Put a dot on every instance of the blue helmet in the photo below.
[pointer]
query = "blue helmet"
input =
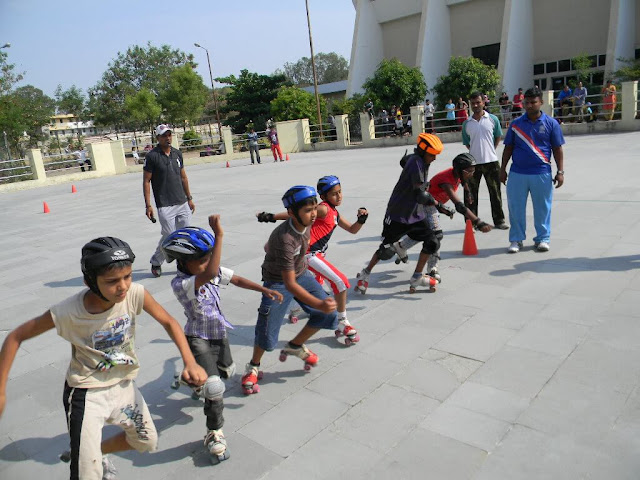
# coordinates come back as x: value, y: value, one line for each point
x: 187, y: 243
x: 297, y: 194
x: 326, y: 183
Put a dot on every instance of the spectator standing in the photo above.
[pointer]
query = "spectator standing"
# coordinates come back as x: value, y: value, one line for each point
x: 462, y: 112
x: 579, y: 99
x: 481, y: 133
x: 565, y: 101
x: 516, y: 109
x: 275, y: 144
x: 505, y: 109
x: 429, y: 110
x: 164, y: 172
x: 608, y: 100
x: 450, y: 108
x: 134, y: 154
x: 252, y: 137
x: 530, y: 141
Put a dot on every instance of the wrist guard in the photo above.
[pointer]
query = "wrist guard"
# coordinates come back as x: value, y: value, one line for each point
x: 362, y: 218
x: 460, y: 208
x: 450, y: 212
x: 479, y: 224
x: 266, y: 217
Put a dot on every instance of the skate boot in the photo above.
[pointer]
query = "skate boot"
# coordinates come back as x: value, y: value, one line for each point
x: 422, y: 281
x: 363, y: 282
x: 403, y: 256
x: 310, y: 359
x: 432, y: 267
x: 345, y: 329
x: 217, y: 446
x: 250, y: 379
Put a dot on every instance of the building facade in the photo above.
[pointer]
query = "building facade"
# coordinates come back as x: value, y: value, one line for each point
x: 529, y: 41
x: 68, y: 125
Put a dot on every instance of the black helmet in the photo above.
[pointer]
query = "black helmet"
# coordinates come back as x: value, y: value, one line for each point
x: 102, y: 252
x: 462, y: 162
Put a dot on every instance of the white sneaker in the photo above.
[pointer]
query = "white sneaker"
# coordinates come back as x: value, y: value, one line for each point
x: 514, y: 247
x: 542, y: 247
x: 215, y: 442
x: 109, y: 471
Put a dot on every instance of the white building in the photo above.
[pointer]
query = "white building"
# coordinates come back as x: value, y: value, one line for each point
x: 68, y: 125
x: 530, y: 41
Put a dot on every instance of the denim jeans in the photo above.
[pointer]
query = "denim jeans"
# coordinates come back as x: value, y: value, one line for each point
x: 271, y: 314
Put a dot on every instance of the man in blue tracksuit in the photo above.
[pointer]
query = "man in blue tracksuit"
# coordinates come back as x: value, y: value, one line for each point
x: 530, y: 141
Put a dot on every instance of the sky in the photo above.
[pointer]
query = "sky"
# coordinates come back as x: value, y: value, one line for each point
x: 71, y: 42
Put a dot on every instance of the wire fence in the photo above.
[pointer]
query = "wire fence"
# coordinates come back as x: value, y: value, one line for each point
x: 240, y: 141
x: 15, y: 170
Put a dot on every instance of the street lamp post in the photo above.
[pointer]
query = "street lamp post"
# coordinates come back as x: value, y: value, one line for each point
x: 213, y: 88
x: 313, y: 67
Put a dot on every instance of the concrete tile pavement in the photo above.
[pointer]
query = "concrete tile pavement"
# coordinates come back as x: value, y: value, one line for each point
x: 519, y: 366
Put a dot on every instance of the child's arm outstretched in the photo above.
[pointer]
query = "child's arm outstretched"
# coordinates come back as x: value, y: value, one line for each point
x: 193, y: 373
x: 327, y: 305
x: 271, y: 217
x: 354, y: 228
x: 461, y: 208
x: 213, y: 267
x: 27, y: 330
x: 242, y: 282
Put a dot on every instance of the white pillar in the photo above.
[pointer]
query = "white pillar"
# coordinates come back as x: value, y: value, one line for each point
x: 516, y: 46
x: 37, y: 164
x: 342, y: 130
x: 547, y: 102
x: 417, y: 121
x: 368, y: 129
x: 119, y: 160
x: 434, y: 41
x: 366, y: 49
x: 629, y: 105
x: 622, y: 31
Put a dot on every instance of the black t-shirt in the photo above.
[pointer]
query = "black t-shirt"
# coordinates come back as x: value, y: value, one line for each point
x: 402, y: 206
x: 166, y: 179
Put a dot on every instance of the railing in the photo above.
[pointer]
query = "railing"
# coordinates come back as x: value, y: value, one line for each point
x: 322, y: 132
x: 390, y: 127
x: 65, y: 162
x: 16, y: 170
x: 569, y: 112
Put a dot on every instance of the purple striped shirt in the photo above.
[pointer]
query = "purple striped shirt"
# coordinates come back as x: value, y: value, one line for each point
x: 202, y: 308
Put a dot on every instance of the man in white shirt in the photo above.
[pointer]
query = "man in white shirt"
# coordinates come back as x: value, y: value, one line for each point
x: 429, y: 110
x: 481, y: 133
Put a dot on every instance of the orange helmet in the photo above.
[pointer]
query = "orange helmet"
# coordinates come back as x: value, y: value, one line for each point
x: 430, y: 143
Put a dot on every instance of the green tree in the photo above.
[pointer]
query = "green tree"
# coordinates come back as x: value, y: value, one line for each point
x: 139, y: 67
x: 582, y: 64
x: 35, y: 109
x: 629, y: 72
x: 330, y: 67
x: 70, y: 101
x: 184, y: 96
x: 293, y: 103
x: 8, y: 76
x: 250, y: 98
x: 395, y: 83
x: 143, y: 109
x: 466, y: 75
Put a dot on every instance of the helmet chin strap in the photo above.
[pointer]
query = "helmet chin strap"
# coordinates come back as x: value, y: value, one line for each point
x: 93, y: 286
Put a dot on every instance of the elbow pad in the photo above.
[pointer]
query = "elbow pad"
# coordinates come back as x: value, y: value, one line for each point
x: 425, y: 198
x: 460, y: 208
x: 266, y: 217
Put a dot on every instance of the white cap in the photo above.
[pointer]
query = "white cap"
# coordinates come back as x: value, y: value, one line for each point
x: 162, y: 129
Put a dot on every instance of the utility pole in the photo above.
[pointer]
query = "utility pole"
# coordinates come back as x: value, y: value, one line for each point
x: 313, y: 67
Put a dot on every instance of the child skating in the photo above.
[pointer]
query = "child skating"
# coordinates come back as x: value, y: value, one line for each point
x: 407, y: 215
x: 443, y: 187
x: 328, y: 218
x: 196, y: 286
x: 100, y: 324
x: 285, y: 270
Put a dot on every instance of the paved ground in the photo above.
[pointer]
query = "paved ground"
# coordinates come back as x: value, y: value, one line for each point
x: 519, y: 366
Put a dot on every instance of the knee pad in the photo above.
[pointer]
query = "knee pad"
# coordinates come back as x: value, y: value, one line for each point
x: 213, y: 388
x: 431, y: 245
x: 227, y: 372
x: 385, y: 252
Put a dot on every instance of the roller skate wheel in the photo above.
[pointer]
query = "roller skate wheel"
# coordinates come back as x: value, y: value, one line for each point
x: 216, y: 459
x: 293, y: 319
x: 348, y: 341
x: 247, y: 390
x: 283, y: 356
x: 398, y: 261
x: 338, y: 333
x: 176, y: 383
x: 260, y: 375
x: 65, y: 456
x: 412, y: 289
x: 356, y: 339
x: 195, y: 396
x: 307, y: 366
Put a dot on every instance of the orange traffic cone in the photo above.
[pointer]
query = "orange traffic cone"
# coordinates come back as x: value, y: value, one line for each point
x: 73, y: 189
x: 469, y: 246
x: 227, y: 164
x: 287, y: 157
x: 46, y: 207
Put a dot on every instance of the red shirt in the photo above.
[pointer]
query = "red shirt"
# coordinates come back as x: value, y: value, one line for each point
x: 518, y: 99
x: 322, y: 229
x: 445, y: 176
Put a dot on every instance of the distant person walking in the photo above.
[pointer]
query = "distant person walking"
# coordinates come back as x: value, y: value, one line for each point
x: 275, y: 144
x: 164, y: 172
x: 252, y: 137
x: 481, y: 133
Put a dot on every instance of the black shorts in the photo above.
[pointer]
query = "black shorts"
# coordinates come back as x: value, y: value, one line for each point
x: 393, y: 231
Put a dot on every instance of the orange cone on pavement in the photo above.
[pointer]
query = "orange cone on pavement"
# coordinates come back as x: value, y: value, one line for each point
x: 469, y: 246
x: 73, y: 189
x: 287, y: 157
x: 46, y: 207
x: 227, y: 164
